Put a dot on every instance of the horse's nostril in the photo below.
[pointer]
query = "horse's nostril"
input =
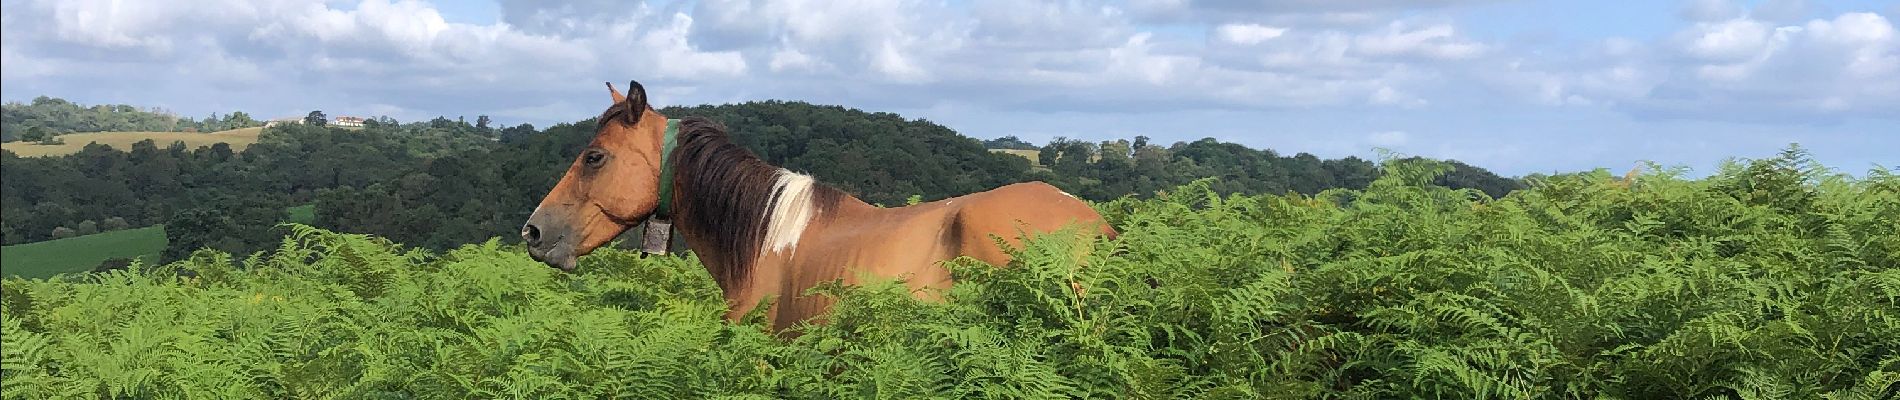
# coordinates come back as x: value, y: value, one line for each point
x: 531, y: 234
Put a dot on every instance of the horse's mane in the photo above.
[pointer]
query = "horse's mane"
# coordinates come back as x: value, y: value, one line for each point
x: 723, y: 193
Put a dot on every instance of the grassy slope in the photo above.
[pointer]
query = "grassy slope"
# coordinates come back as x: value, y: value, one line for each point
x: 1034, y: 156
x: 52, y: 257
x: 238, y: 138
x: 78, y: 254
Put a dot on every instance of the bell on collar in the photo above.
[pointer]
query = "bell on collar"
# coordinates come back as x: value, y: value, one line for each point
x: 658, y: 236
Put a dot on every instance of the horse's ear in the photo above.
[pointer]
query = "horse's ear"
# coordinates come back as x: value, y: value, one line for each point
x: 636, y: 101
x: 616, y: 93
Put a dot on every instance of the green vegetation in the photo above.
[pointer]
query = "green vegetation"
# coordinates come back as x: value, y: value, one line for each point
x: 1009, y: 143
x: 47, y: 117
x: 150, y: 183
x: 81, y: 253
x: 1769, y: 279
x: 73, y: 143
x: 1031, y: 154
x: 304, y: 214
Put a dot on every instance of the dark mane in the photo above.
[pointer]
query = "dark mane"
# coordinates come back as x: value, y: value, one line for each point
x: 722, y: 193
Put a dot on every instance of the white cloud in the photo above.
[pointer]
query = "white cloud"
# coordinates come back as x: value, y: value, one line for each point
x: 790, y: 59
x: 1246, y: 34
x: 1738, y: 69
x: 1438, y: 41
x: 1059, y: 55
x: 1824, y: 69
x: 1730, y: 40
x: 673, y: 57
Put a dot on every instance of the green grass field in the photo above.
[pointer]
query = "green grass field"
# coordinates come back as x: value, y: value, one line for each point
x: 77, y: 254
x: 238, y: 138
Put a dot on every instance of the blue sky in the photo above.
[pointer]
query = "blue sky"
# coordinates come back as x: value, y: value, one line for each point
x: 1515, y: 86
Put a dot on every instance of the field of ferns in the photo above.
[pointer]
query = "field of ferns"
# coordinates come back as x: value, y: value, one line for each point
x: 1770, y: 278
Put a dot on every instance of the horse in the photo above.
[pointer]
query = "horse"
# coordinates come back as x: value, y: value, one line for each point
x: 766, y: 233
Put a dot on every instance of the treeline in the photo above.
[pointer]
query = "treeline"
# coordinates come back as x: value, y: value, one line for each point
x: 1111, y: 169
x: 238, y: 195
x: 442, y: 183
x: 47, y: 117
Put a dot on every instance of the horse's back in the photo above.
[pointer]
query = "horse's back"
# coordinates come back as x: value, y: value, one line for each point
x: 1014, y: 211
x: 911, y: 242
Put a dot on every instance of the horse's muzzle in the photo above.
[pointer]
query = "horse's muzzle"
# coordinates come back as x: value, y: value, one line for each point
x: 549, y: 243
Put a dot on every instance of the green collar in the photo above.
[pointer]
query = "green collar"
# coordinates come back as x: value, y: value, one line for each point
x: 667, y: 144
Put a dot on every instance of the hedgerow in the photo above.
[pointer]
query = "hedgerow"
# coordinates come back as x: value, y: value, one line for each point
x: 1769, y: 279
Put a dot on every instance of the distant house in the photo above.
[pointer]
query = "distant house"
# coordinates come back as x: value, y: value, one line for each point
x: 284, y: 120
x: 347, y: 122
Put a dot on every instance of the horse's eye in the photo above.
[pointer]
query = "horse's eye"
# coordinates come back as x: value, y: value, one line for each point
x: 594, y: 158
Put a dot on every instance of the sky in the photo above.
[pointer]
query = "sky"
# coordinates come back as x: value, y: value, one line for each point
x: 1517, y: 87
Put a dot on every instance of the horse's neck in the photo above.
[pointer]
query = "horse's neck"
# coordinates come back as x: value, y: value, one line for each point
x: 734, y: 236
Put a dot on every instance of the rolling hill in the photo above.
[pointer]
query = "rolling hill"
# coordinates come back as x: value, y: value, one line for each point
x: 81, y: 253
x: 238, y: 138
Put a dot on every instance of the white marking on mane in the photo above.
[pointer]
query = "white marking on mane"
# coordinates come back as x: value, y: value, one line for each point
x: 790, y: 211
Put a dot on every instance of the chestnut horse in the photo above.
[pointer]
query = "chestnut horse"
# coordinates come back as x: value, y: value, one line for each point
x: 767, y: 233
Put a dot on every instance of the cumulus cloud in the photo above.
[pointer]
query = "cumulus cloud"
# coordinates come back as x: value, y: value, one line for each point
x: 543, y: 60
x: 1738, y: 65
x: 1439, y: 41
x: 1309, y: 11
x: 1248, y: 33
x: 1820, y: 70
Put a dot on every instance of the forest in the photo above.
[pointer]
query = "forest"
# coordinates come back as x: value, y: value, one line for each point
x: 456, y: 183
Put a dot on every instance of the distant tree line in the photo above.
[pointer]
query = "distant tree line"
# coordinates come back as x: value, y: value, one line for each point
x: 443, y: 183
x: 1009, y: 143
x: 214, y: 195
x: 47, y: 117
x: 1110, y: 169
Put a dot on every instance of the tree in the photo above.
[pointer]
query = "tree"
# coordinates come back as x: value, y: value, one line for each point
x: 481, y: 122
x: 62, y: 232
x: 516, y: 132
x: 86, y: 227
x: 238, y: 119
x: 1008, y: 142
x: 114, y: 223
x: 34, y: 134
x: 316, y: 118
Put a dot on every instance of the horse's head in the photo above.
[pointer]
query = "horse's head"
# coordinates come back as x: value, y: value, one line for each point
x: 612, y: 185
